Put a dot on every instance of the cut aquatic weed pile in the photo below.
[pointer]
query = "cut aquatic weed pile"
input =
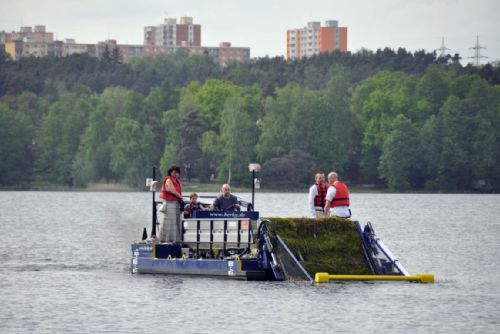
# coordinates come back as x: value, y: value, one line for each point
x: 329, y: 245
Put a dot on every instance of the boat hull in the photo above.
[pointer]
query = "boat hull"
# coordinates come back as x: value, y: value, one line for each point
x: 143, y: 262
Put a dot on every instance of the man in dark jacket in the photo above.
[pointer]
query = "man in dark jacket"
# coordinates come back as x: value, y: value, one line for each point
x: 226, y: 201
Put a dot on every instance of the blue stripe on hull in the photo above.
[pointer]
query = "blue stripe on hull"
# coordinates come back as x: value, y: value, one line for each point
x: 143, y: 263
x: 207, y: 267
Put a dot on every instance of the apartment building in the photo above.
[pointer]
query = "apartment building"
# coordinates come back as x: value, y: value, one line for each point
x: 167, y: 38
x: 171, y: 33
x: 171, y: 36
x: 36, y: 34
x: 314, y: 39
x: 224, y: 54
x: 27, y: 41
x: 70, y: 47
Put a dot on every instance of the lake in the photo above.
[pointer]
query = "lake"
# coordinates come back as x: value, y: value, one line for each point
x: 65, y: 269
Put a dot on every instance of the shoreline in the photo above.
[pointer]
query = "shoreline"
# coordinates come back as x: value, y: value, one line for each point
x: 215, y: 188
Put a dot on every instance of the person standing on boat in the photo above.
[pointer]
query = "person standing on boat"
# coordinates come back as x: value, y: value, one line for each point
x: 317, y: 194
x: 171, y: 193
x: 337, y: 198
x: 226, y: 201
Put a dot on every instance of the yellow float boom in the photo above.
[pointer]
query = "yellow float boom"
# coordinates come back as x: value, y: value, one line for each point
x: 420, y: 278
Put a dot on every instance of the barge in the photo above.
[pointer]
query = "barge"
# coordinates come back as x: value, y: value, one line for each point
x: 244, y: 245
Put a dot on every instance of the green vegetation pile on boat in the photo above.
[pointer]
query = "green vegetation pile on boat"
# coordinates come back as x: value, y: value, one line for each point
x: 243, y: 245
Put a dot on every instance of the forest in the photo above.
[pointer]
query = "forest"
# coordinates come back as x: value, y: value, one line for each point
x: 386, y: 118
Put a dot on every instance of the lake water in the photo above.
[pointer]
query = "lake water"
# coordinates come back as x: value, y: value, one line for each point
x: 65, y: 269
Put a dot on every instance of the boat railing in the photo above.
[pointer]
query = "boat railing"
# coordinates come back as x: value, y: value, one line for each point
x: 218, y: 231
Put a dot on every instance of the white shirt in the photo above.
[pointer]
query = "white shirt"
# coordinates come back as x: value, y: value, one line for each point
x: 313, y: 192
x: 339, y: 211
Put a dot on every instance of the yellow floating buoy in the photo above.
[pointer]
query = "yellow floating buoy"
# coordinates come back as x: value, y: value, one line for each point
x: 420, y: 278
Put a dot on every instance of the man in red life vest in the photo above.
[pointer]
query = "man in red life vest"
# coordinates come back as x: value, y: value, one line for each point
x: 337, y: 198
x: 317, y: 194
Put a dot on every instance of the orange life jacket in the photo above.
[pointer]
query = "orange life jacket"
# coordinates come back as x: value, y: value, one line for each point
x: 319, y: 200
x: 341, y: 195
x: 164, y: 194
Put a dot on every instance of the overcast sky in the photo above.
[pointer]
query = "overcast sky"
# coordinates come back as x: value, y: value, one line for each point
x: 262, y: 24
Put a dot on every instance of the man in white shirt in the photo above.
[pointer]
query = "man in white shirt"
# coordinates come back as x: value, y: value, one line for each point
x: 317, y: 193
x: 337, y: 198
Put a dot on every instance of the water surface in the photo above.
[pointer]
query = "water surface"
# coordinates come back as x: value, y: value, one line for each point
x: 65, y: 269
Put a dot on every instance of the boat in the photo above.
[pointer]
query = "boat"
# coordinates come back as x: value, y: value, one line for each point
x: 243, y: 245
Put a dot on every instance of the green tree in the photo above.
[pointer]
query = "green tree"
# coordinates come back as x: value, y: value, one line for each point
x: 184, y: 130
x: 482, y: 103
x: 4, y: 56
x: 244, y: 75
x: 190, y: 126
x: 317, y: 122
x: 201, y: 68
x: 431, y: 144
x: 338, y: 142
x: 211, y: 98
x: 433, y: 87
x: 238, y: 136
x: 289, y: 171
x: 94, y: 153
x: 209, y: 145
x: 432, y: 91
x: 455, y: 166
x: 131, y: 144
x: 376, y: 102
x: 313, y: 78
x: 106, y: 54
x: 30, y: 104
x: 15, y: 147
x: 159, y: 100
x: 470, y: 137
x: 116, y: 55
x: 59, y: 137
x: 400, y: 162
x: 275, y: 126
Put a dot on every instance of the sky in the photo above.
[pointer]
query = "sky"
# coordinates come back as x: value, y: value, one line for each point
x: 262, y: 24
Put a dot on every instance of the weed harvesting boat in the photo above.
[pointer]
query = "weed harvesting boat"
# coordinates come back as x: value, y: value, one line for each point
x: 244, y: 245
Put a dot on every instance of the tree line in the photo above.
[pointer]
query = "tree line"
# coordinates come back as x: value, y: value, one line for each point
x: 406, y: 121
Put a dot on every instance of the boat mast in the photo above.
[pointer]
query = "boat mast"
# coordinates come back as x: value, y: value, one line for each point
x: 153, y: 227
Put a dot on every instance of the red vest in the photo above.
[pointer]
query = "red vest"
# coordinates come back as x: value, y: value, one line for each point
x: 341, y: 196
x: 177, y: 185
x: 319, y: 200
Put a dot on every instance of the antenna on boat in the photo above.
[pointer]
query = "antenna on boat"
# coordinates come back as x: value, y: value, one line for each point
x: 153, y: 227
x: 253, y: 167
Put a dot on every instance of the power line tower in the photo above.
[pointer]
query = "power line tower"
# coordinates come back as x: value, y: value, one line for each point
x: 442, y: 50
x: 477, y: 52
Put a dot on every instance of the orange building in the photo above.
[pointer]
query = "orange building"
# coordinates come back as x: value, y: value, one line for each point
x: 315, y: 39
